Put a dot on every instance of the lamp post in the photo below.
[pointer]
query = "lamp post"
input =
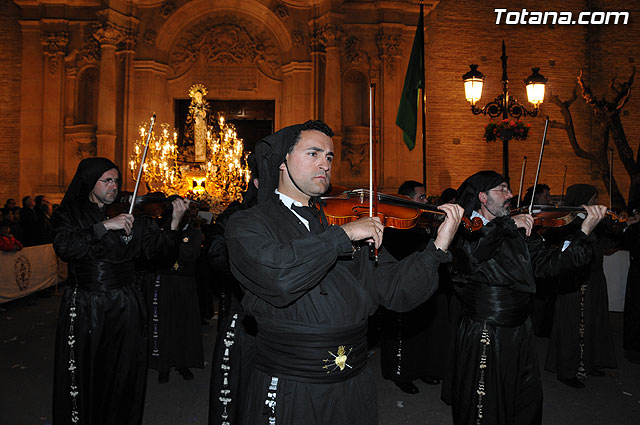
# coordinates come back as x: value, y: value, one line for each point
x: 504, y: 105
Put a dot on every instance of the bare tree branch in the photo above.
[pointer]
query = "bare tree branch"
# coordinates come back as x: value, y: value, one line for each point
x: 568, y: 125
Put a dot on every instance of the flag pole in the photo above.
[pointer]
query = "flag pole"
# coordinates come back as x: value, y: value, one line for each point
x: 424, y: 101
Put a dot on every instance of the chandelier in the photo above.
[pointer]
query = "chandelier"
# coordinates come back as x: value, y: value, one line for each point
x: 227, y: 172
x: 160, y: 170
x: 215, y: 179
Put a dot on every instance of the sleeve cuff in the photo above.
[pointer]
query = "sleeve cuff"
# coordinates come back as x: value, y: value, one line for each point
x: 99, y: 230
x: 440, y: 255
x: 338, y: 238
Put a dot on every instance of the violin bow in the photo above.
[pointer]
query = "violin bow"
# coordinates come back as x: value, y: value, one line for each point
x: 524, y: 165
x: 144, y: 156
x: 373, y: 188
x: 564, y: 178
x: 610, y: 178
x: 127, y: 238
x: 535, y: 183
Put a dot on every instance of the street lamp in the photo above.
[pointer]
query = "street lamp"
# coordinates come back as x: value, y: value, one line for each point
x: 504, y: 105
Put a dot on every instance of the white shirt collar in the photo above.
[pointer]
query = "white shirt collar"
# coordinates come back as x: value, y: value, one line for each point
x: 288, y: 202
x: 477, y: 214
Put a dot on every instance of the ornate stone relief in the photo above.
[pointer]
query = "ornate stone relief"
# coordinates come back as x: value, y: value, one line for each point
x: 316, y: 43
x: 281, y: 11
x: 149, y: 37
x: 226, y: 40
x: 129, y: 41
x: 54, y: 43
x: 355, y: 54
x: 355, y: 149
x: 331, y: 35
x: 389, y: 49
x: 81, y: 140
x: 85, y: 150
x: 110, y: 33
x: 90, y: 48
x: 297, y: 38
x: 389, y: 44
x: 168, y: 7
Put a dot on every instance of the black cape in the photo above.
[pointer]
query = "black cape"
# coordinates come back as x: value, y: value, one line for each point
x: 415, y: 344
x: 281, y: 266
x: 583, y: 292
x: 175, y: 329
x: 496, y: 366
x: 103, y: 316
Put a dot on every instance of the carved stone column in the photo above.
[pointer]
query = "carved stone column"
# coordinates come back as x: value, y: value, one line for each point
x: 108, y: 35
x: 331, y: 37
x: 54, y: 46
x: 390, y: 81
x: 71, y: 74
x: 296, y: 107
x: 319, y: 61
x: 126, y: 55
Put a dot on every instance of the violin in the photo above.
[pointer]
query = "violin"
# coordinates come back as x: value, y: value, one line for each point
x: 552, y: 216
x: 153, y: 204
x: 393, y: 210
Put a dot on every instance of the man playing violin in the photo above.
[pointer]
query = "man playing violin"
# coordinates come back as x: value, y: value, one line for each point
x: 542, y: 195
x: 581, y: 342
x: 100, y: 367
x: 413, y: 345
x: 496, y: 377
x: 311, y: 288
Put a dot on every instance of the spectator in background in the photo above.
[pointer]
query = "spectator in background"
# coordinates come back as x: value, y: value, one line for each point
x: 43, y: 215
x: 29, y: 222
x: 542, y: 196
x: 448, y: 196
x: 11, y: 218
x: 11, y: 204
x: 7, y: 242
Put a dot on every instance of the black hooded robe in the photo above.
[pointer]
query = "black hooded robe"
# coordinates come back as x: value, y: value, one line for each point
x: 415, y: 344
x: 305, y: 289
x: 101, y: 343
x: 496, y: 377
x: 582, y: 308
x: 175, y: 328
x: 581, y: 339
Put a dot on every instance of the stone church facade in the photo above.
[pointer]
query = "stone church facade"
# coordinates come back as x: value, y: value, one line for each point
x: 79, y: 76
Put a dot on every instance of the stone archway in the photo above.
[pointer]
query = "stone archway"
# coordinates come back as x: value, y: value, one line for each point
x: 238, y: 50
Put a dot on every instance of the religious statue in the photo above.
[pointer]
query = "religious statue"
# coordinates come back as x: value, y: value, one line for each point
x: 198, y: 120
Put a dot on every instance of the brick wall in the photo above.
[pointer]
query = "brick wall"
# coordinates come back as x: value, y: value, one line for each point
x: 460, y: 34
x: 10, y: 69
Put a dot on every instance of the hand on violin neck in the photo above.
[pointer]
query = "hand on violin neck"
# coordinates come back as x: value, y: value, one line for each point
x: 368, y: 229
x: 120, y: 222
x: 595, y: 214
x: 449, y: 226
x: 180, y: 206
x: 524, y: 221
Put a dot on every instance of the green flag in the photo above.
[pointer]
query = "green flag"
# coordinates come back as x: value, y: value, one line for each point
x: 407, y: 118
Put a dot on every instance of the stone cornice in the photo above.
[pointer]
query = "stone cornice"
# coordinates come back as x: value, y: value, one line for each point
x: 297, y: 67
x: 150, y: 66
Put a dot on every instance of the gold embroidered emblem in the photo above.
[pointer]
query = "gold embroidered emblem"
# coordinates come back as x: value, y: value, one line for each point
x: 339, y: 360
x: 176, y: 265
x: 185, y: 239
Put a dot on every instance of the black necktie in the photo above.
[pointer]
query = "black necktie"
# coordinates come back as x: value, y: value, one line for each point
x: 312, y: 215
